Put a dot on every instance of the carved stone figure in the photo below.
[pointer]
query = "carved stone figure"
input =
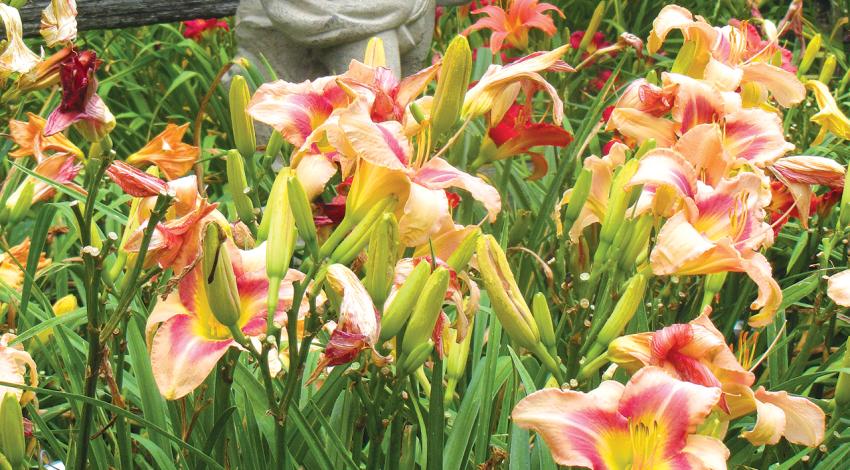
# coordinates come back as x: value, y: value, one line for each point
x: 304, y: 39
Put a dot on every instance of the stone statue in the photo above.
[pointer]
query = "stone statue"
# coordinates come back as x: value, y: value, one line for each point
x: 305, y: 39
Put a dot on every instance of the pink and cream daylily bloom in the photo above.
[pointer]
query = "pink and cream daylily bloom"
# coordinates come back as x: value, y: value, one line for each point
x: 59, y: 22
x: 650, y: 423
x: 183, y: 335
x: 16, y: 367
x: 135, y: 182
x: 60, y: 168
x: 798, y: 173
x: 16, y: 57
x: 697, y: 352
x: 719, y: 231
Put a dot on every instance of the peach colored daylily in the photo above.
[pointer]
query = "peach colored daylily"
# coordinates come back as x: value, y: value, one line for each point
x: 31, y: 141
x: 13, y: 259
x: 838, y: 288
x: 16, y: 57
x: 59, y: 22
x: 183, y: 335
x: 168, y: 152
x: 719, y: 231
x: 697, y: 352
x: 512, y: 26
x: 650, y: 423
x: 798, y: 173
x: 17, y: 367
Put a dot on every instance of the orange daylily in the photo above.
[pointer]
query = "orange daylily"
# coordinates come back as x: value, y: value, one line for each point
x: 168, y: 152
x: 512, y: 26
x: 31, y: 141
x: 697, y: 352
x: 11, y: 262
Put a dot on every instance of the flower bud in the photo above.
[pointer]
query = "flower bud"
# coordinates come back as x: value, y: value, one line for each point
x: 62, y: 306
x: 359, y: 236
x: 243, y: 126
x: 425, y: 313
x: 543, y: 319
x: 615, y: 213
x: 460, y: 258
x: 451, y: 85
x: 237, y: 186
x: 637, y: 242
x: 828, y: 69
x: 581, y: 190
x: 220, y: 282
x: 401, y: 304
x: 20, y: 201
x: 844, y: 210
x: 685, y: 57
x: 375, y: 55
x: 278, y: 227
x: 592, y: 26
x: 12, y: 443
x: 505, y: 297
x: 411, y: 361
x: 456, y: 360
x: 302, y: 211
x: 382, y: 256
x: 274, y: 144
x: 842, y: 387
x: 812, y: 49
x: 622, y: 314
x: 417, y: 112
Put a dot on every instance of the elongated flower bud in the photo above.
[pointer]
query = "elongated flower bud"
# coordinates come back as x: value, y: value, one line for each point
x: 637, y: 243
x: 237, y: 186
x: 456, y: 360
x: 219, y: 280
x: 622, y: 314
x: 411, y: 361
x: 812, y: 49
x: 844, y: 212
x: 425, y: 312
x: 375, y: 55
x: 505, y: 296
x: 20, y: 201
x: 359, y: 236
x: 543, y: 319
x: 615, y: 213
x: 592, y: 26
x: 303, y: 214
x: 451, y: 86
x: 382, y: 256
x: 828, y: 69
x: 842, y: 387
x: 243, y: 126
x: 459, y: 258
x: 12, y: 443
x: 278, y: 227
x: 401, y: 305
x: 581, y: 190
x: 274, y: 144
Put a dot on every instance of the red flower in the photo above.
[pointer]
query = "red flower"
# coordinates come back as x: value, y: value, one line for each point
x: 80, y: 101
x: 195, y: 28
x: 598, y: 42
x: 135, y: 182
x: 601, y: 79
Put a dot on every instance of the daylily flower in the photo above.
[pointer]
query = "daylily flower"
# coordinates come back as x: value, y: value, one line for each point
x: 168, y: 152
x: 512, y: 26
x: 17, y: 367
x: 176, y: 241
x: 10, y: 272
x: 726, y: 58
x: 516, y: 134
x: 784, y: 206
x: 59, y: 22
x: 500, y: 85
x: 31, y: 141
x: 16, y: 58
x: 838, y: 288
x: 697, y: 352
x: 194, y: 29
x: 719, y: 231
x: 799, y: 173
x: 135, y: 182
x: 358, y: 326
x: 80, y: 102
x: 650, y: 422
x: 185, y: 339
x: 61, y: 168
x: 830, y: 117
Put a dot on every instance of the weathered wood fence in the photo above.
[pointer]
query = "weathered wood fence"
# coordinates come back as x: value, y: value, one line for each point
x: 110, y: 14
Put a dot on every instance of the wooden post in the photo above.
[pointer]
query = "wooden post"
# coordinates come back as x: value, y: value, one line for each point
x: 111, y: 14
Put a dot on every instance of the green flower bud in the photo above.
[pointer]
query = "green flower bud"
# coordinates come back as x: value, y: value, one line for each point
x: 398, y: 311
x: 425, y: 312
x: 382, y: 256
x: 459, y: 258
x: 615, y: 213
x: 12, y: 443
x: 812, y: 49
x: 637, y: 242
x: 417, y: 112
x: 220, y: 282
x: 581, y: 190
x: 543, y: 319
x: 411, y: 361
x: 455, y: 360
x: 243, y: 125
x: 844, y: 212
x: 20, y: 201
x: 237, y: 186
x: 828, y: 69
x: 842, y: 387
x: 274, y: 144
x: 622, y: 314
x: 359, y: 236
x: 592, y: 26
x: 451, y: 85
x: 302, y: 211
x: 278, y: 227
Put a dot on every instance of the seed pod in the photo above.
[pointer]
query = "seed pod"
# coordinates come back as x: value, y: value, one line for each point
x: 237, y: 186
x: 382, y: 256
x: 543, y: 318
x: 243, y: 126
x: 425, y: 312
x: 303, y: 214
x: 278, y: 227
x: 451, y: 85
x: 812, y: 49
x: 219, y: 280
x: 12, y: 443
x: 459, y: 258
x: 401, y: 304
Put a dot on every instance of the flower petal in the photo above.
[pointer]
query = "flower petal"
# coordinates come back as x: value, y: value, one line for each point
x: 782, y: 84
x: 838, y: 288
x: 756, y: 136
x: 806, y: 421
x: 439, y: 174
x: 424, y: 214
x: 706, y: 452
x: 643, y: 126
